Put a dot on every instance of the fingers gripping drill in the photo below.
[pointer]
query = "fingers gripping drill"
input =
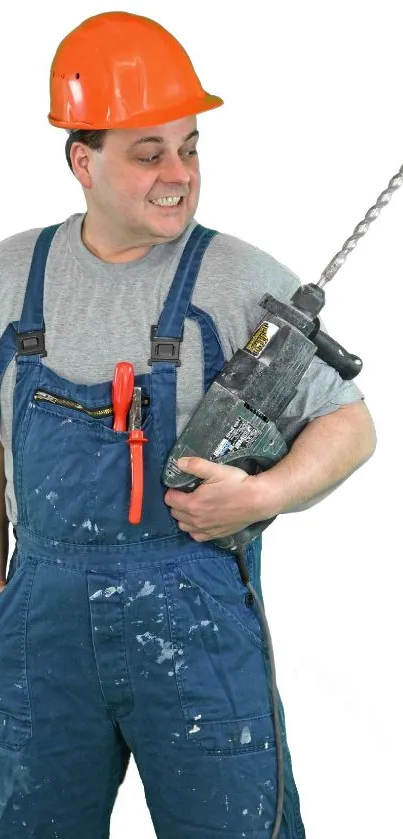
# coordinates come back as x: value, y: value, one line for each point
x: 235, y: 422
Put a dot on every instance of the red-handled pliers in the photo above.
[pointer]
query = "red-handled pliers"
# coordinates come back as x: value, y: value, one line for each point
x: 124, y: 394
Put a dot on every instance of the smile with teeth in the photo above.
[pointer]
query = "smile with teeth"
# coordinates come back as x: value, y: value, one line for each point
x: 168, y: 201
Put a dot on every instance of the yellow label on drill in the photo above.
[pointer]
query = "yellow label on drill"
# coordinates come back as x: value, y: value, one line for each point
x: 259, y: 340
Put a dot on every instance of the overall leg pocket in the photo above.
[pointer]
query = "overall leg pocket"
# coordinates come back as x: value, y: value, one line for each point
x: 15, y: 710
x: 219, y: 657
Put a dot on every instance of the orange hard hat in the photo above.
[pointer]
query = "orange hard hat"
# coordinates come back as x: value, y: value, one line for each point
x: 119, y: 70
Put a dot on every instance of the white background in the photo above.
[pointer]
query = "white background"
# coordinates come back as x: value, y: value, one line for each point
x: 310, y: 134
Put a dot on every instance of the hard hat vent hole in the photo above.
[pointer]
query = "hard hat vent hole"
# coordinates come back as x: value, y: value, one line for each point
x: 62, y: 76
x: 77, y: 75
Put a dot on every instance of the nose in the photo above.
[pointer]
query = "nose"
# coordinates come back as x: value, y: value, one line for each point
x: 174, y: 170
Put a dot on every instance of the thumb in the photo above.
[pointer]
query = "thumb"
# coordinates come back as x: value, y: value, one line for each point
x: 202, y: 468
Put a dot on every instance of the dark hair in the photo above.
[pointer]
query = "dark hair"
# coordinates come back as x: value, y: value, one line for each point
x: 94, y: 139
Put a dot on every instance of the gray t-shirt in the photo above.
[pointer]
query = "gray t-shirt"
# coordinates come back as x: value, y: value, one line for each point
x: 97, y: 313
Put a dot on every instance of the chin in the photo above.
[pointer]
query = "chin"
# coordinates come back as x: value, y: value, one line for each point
x: 171, y: 228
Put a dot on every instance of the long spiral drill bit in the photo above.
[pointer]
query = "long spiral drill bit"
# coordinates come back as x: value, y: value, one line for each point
x: 361, y: 229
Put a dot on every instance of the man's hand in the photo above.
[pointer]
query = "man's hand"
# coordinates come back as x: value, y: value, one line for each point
x: 326, y: 452
x: 2, y: 585
x: 222, y: 505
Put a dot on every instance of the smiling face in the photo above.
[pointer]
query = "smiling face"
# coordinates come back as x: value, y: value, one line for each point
x: 142, y: 188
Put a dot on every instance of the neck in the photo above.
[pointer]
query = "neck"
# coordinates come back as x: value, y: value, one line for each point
x: 100, y: 241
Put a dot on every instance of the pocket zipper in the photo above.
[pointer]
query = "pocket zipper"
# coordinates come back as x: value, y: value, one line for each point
x: 106, y: 411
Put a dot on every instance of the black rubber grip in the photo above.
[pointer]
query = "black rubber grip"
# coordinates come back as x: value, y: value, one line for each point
x: 335, y: 355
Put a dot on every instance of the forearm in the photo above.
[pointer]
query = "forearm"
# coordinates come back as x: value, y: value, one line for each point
x: 327, y: 451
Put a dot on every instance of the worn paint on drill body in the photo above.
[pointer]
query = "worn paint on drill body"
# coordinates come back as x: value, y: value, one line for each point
x: 119, y: 639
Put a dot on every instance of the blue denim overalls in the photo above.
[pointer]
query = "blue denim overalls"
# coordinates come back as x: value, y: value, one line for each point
x: 119, y: 639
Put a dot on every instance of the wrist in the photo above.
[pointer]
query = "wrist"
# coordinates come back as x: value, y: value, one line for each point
x: 267, y: 495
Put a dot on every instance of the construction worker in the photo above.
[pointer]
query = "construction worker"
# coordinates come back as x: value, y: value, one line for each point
x: 121, y: 639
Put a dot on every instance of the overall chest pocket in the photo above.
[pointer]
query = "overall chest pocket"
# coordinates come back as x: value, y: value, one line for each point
x: 74, y: 473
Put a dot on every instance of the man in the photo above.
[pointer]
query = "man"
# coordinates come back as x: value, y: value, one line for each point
x: 121, y: 638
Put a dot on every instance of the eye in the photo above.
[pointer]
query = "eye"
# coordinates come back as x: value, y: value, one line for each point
x: 154, y: 158
x: 150, y: 159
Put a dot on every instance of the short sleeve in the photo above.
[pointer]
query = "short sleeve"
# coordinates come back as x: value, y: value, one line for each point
x: 320, y: 391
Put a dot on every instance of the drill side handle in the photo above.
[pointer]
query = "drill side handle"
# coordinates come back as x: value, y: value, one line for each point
x: 330, y: 351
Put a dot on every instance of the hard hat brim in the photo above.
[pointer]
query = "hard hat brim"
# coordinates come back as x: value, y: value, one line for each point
x: 146, y: 118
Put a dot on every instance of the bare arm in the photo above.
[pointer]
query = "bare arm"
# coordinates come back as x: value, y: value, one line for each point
x: 326, y: 452
x: 3, y: 523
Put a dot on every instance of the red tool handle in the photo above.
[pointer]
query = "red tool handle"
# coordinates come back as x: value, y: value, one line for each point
x: 122, y: 393
x: 136, y: 441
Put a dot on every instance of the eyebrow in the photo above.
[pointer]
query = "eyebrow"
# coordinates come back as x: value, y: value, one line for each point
x: 160, y: 139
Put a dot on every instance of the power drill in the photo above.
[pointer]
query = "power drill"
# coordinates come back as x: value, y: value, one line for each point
x: 235, y: 422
